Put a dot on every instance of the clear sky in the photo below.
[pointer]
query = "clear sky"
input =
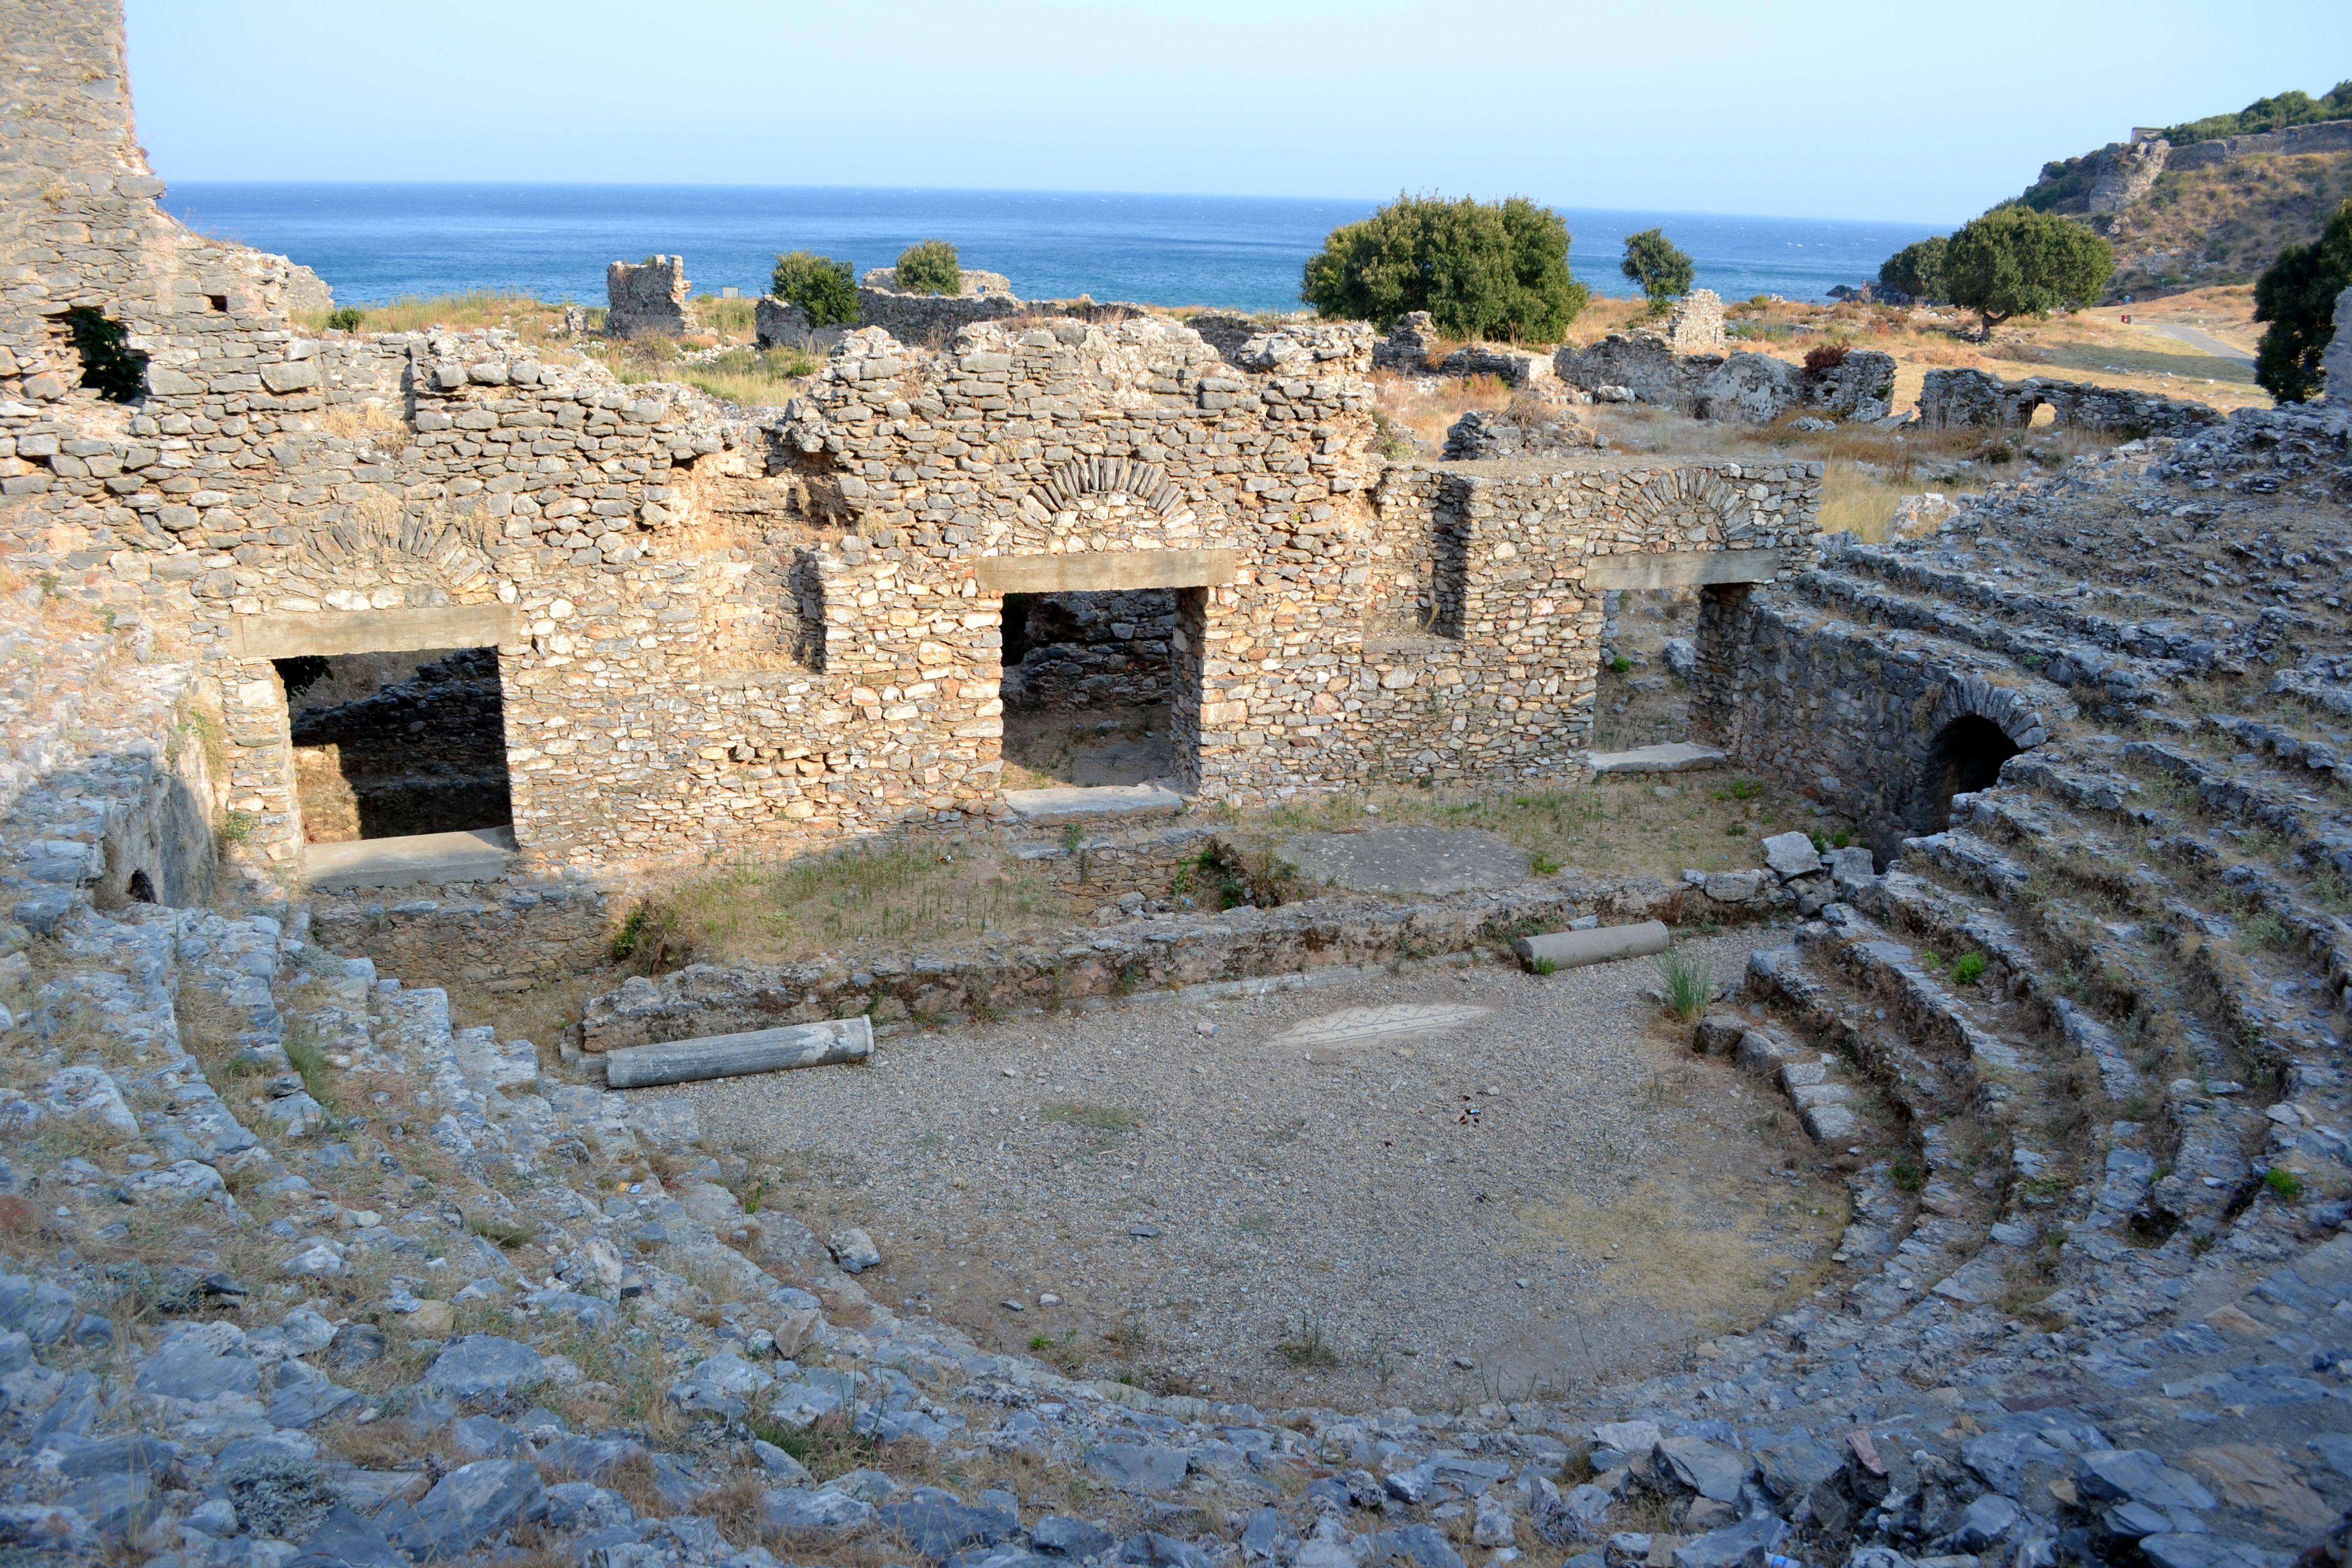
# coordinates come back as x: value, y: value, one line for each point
x: 1923, y: 112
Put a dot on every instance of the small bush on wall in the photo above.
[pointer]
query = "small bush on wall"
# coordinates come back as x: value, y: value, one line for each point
x: 930, y: 267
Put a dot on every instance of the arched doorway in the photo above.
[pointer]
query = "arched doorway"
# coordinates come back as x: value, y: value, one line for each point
x: 1964, y: 756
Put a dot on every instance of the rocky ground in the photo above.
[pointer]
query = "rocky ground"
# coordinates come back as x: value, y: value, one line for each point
x: 297, y: 1272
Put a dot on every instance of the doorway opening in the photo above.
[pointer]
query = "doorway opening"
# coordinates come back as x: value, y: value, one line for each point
x: 390, y: 745
x: 1648, y: 659
x: 1089, y: 687
x: 1965, y: 757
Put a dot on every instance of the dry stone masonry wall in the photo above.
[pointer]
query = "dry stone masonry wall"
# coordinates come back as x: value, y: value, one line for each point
x: 650, y: 295
x: 1959, y: 399
x: 714, y: 632
x: 1750, y: 388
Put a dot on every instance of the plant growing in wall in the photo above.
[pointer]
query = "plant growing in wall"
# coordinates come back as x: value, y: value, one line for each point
x: 2297, y: 295
x: 1481, y: 269
x: 2014, y: 261
x: 1661, y: 268
x: 930, y: 267
x: 823, y: 288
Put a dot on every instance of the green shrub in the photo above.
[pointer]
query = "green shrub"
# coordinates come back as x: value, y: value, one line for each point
x: 346, y: 318
x: 1481, y: 269
x: 1969, y: 968
x: 930, y: 267
x: 1546, y: 966
x: 1662, y: 269
x: 2014, y: 261
x: 1916, y: 269
x: 819, y: 284
x: 2297, y: 295
x: 2283, y: 1181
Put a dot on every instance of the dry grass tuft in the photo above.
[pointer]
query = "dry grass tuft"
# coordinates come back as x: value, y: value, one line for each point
x: 362, y: 420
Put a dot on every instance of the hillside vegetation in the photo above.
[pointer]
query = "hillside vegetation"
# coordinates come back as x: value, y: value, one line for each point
x: 2203, y: 214
x: 2225, y: 224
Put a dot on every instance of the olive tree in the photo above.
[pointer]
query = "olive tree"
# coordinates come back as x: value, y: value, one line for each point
x: 1481, y: 269
x: 1662, y: 269
x: 1916, y: 269
x: 2014, y: 261
x: 2297, y: 295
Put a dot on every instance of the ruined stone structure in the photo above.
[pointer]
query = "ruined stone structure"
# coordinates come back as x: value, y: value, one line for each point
x: 648, y: 297
x: 926, y: 320
x: 713, y: 636
x: 1750, y: 388
x: 294, y: 1266
x: 1959, y: 399
x: 1695, y: 327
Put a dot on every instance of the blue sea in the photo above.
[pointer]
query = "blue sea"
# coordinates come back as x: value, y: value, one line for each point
x: 377, y: 242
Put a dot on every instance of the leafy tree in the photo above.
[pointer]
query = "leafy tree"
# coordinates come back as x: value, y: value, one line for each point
x: 2297, y: 297
x: 819, y: 284
x: 1916, y: 269
x: 2014, y: 261
x: 1481, y: 269
x: 930, y: 267
x: 2267, y: 114
x: 1654, y: 262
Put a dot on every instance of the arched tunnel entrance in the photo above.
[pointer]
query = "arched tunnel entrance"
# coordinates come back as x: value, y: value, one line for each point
x: 1964, y: 756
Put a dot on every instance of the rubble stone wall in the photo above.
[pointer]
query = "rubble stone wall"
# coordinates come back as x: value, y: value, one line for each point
x: 1695, y: 327
x: 1093, y: 650
x: 1750, y: 388
x: 1959, y: 399
x: 648, y: 297
x: 743, y: 637
x: 2336, y: 365
x: 501, y: 937
x: 1842, y: 716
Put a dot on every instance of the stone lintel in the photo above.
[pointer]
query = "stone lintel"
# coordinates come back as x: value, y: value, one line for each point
x: 1681, y: 568
x: 1104, y: 570
x: 375, y: 631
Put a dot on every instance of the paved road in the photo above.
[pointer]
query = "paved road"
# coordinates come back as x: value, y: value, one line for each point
x: 2197, y: 338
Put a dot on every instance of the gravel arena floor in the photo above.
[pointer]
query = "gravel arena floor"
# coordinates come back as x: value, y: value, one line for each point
x: 1177, y: 1195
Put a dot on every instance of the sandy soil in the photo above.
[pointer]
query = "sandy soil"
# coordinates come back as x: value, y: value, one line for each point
x: 1337, y: 1224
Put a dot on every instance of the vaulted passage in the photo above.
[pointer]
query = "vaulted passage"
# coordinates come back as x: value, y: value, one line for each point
x: 1966, y: 756
x: 391, y: 744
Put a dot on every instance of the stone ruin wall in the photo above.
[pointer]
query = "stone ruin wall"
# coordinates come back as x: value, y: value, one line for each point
x: 1093, y: 650
x: 1964, y: 399
x: 924, y: 320
x: 1695, y: 326
x: 723, y: 636
x: 1846, y: 720
x: 650, y: 295
x: 421, y: 754
x: 1750, y: 388
x: 1276, y: 466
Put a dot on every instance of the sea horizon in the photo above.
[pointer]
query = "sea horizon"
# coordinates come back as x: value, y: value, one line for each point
x: 377, y: 240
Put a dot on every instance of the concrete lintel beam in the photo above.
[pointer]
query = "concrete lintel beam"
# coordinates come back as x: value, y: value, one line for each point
x: 1091, y: 572
x: 1682, y: 569
x: 375, y: 631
